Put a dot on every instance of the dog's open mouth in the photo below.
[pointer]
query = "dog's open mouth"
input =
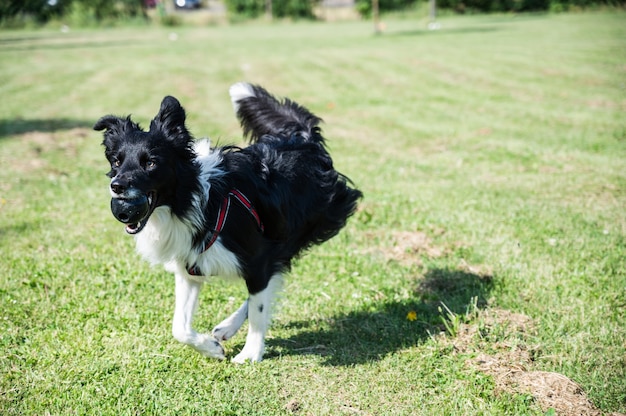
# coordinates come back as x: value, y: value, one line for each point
x: 134, y: 212
x: 135, y: 228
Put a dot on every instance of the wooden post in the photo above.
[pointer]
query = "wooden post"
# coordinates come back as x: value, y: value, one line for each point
x: 376, y: 16
x: 268, y: 9
x: 433, y: 24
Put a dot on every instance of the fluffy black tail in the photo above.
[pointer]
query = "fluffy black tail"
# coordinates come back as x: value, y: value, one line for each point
x: 260, y: 113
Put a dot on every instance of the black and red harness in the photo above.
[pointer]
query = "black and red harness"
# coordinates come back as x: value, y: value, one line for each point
x: 222, y: 214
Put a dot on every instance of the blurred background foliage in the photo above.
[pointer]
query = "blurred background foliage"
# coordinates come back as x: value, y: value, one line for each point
x: 22, y: 13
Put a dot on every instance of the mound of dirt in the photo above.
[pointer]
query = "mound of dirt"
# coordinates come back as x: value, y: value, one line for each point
x: 550, y: 390
x: 511, y: 364
x: 407, y: 248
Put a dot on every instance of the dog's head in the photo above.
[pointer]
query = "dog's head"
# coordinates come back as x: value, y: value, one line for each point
x: 145, y: 166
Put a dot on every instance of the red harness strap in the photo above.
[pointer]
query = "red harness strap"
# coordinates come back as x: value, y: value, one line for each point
x: 222, y: 214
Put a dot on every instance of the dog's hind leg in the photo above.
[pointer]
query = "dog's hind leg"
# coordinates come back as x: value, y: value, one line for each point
x: 187, y: 292
x: 259, y: 312
x: 229, y: 326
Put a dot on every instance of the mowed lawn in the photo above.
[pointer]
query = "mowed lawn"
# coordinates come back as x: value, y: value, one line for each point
x: 484, y: 273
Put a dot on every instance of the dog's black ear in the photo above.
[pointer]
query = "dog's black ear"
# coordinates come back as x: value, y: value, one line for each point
x: 170, y: 119
x: 115, y: 125
x: 109, y: 123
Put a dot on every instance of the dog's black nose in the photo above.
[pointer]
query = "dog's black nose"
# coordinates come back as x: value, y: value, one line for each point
x: 119, y: 186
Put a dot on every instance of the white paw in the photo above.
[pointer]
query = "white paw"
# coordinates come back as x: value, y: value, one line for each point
x: 229, y: 326
x: 210, y: 347
x: 224, y: 333
x: 247, y: 354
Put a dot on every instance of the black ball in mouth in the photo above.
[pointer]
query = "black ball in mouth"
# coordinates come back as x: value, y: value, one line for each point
x: 132, y: 212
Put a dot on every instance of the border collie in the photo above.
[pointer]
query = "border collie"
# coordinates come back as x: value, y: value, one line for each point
x: 226, y: 211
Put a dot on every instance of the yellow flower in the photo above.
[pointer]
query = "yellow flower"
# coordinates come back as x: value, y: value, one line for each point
x: 411, y: 316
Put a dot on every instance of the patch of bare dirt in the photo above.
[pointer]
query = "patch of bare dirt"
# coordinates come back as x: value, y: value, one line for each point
x: 409, y: 245
x: 408, y: 248
x: 551, y: 390
x: 411, y: 248
x: 293, y: 406
x: 510, y: 363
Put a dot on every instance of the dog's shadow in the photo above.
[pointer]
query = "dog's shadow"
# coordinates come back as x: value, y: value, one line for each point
x: 369, y: 335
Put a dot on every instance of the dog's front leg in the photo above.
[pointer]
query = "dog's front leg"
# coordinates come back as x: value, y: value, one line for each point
x: 259, y: 313
x: 187, y: 292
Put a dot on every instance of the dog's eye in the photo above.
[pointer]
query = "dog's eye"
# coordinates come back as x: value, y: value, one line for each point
x: 116, y: 163
x: 150, y: 164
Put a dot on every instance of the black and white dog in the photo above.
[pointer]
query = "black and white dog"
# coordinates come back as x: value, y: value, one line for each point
x: 229, y: 211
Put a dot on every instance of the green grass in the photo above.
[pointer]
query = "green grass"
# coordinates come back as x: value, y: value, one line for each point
x: 499, y: 139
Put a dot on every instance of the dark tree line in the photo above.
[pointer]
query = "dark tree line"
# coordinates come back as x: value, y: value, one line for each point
x: 487, y: 6
x: 42, y: 11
